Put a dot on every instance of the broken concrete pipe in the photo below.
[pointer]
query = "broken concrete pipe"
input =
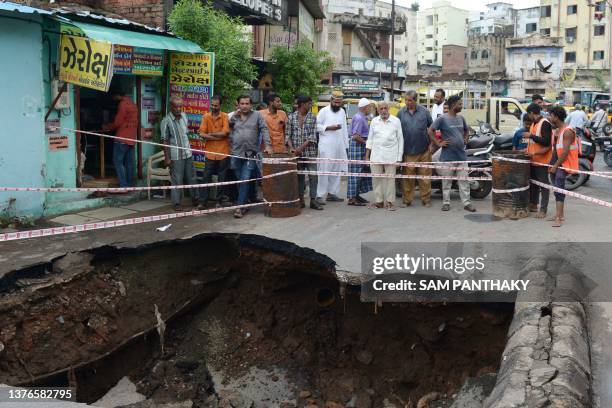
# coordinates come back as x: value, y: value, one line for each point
x: 325, y: 297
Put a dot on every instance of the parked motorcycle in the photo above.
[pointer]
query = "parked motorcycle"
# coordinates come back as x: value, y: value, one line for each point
x: 603, y: 138
x: 479, y: 148
x: 586, y: 156
x: 608, y: 155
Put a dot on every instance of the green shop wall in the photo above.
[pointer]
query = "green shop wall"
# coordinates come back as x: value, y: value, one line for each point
x: 22, y: 136
x: 61, y: 167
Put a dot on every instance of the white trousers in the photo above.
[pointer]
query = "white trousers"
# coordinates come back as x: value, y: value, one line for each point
x: 384, y: 187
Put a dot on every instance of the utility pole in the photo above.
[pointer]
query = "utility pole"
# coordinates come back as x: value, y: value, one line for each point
x: 392, y: 48
x: 608, y: 29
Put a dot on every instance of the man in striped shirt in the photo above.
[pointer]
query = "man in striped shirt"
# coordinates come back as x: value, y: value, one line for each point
x: 177, y: 152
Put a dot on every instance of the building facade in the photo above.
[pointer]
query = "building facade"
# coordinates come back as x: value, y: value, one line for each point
x: 584, y: 28
x: 406, y: 43
x: 522, y: 69
x: 454, y: 59
x: 486, y: 53
x: 440, y: 25
x: 527, y: 21
x: 495, y: 20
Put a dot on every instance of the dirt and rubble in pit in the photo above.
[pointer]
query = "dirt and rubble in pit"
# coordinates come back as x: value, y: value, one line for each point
x: 256, y: 325
x: 267, y: 342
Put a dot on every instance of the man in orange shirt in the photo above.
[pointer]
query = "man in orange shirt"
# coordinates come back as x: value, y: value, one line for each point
x: 276, y: 120
x: 215, y: 131
x: 125, y: 126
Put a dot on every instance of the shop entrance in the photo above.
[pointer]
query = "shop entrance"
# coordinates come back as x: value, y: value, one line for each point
x: 96, y: 108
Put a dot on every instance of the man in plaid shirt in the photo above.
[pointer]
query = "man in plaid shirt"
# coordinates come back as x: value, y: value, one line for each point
x: 301, y: 137
x: 357, y: 151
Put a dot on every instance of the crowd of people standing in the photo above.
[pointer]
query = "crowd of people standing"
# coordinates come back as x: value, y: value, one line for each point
x: 327, y: 144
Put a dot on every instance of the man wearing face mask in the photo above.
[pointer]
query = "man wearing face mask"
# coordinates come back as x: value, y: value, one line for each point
x: 357, y: 151
x: 333, y: 143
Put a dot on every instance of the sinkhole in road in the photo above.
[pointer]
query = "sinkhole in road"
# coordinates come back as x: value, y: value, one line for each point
x: 238, y: 318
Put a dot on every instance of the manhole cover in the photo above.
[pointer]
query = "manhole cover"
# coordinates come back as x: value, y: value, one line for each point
x: 482, y: 217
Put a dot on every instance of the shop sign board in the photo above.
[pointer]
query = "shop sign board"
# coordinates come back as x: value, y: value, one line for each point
x: 272, y: 9
x: 192, y: 80
x: 86, y: 62
x: 360, y: 83
x: 138, y: 61
x: 377, y: 65
x: 56, y: 141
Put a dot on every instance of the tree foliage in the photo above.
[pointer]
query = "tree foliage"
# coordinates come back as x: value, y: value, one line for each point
x: 226, y: 36
x: 415, y: 6
x: 298, y: 70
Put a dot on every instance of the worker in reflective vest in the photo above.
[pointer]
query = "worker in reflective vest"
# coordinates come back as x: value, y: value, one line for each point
x: 539, y: 143
x: 564, y: 160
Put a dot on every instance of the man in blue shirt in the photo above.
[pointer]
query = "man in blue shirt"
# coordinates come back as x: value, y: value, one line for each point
x: 357, y: 151
x: 455, y: 134
x: 415, y: 121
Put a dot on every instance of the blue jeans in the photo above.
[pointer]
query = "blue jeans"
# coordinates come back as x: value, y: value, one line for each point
x: 243, y: 169
x: 123, y: 160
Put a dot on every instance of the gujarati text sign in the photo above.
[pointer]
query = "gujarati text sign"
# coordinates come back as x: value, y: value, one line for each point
x: 191, y: 79
x: 86, y: 62
x: 138, y: 61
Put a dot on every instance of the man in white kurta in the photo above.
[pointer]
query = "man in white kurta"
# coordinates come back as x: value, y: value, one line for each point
x: 333, y: 142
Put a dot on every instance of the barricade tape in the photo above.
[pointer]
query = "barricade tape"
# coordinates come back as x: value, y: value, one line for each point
x: 394, y: 176
x: 145, y: 188
x: 264, y: 160
x: 68, y: 229
x: 605, y: 174
x: 426, y: 165
x: 512, y: 190
x: 597, y: 201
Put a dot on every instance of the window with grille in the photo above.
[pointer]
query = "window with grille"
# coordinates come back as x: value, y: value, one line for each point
x: 599, y: 30
x: 570, y: 57
x: 484, y: 54
x: 545, y: 11
x: 573, y: 9
x: 598, y: 55
x: 531, y: 28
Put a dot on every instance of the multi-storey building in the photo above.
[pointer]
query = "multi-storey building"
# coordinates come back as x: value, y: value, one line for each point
x: 527, y: 21
x: 406, y: 43
x: 440, y: 25
x: 486, y: 54
x: 584, y: 27
x: 495, y: 20
x: 522, y: 68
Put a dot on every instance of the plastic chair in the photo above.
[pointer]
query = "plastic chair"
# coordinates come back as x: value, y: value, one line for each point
x: 157, y: 173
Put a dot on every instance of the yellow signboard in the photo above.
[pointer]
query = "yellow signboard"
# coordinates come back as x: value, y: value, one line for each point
x: 86, y: 62
x: 191, y: 69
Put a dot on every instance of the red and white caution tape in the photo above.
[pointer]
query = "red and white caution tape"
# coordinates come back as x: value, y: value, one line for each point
x: 573, y: 194
x: 604, y: 174
x: 145, y: 188
x: 69, y: 229
x: 394, y: 176
x: 426, y: 165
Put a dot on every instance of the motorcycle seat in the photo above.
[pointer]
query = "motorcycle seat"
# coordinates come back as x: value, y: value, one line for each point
x: 478, y: 142
x: 503, y: 139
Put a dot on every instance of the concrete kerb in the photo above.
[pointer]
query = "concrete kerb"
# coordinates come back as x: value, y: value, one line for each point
x: 546, y: 361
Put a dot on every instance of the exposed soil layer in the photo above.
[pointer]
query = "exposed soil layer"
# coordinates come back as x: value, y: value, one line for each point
x: 338, y: 353
x: 233, y: 303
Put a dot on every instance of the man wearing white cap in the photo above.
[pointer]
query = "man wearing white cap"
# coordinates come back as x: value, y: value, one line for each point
x: 333, y: 143
x: 357, y: 150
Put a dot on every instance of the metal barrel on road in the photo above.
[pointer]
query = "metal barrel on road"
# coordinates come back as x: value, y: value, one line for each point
x: 281, y: 188
x: 511, y: 175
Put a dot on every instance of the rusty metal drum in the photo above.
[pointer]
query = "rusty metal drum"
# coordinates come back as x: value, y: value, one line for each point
x: 511, y: 175
x: 281, y: 188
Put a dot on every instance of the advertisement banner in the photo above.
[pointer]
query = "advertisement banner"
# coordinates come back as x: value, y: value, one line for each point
x: 377, y: 65
x: 192, y: 80
x: 138, y: 61
x: 86, y: 62
x: 360, y: 83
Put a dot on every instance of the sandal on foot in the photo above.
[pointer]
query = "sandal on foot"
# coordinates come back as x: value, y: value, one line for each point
x: 238, y: 213
x: 375, y: 206
x: 354, y: 201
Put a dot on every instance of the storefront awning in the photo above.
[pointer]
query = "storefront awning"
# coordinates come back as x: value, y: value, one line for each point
x: 136, y: 39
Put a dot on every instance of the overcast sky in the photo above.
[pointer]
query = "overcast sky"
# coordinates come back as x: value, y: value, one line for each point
x: 469, y: 4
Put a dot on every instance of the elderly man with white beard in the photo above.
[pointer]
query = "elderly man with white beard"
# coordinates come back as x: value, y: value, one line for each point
x: 333, y: 143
